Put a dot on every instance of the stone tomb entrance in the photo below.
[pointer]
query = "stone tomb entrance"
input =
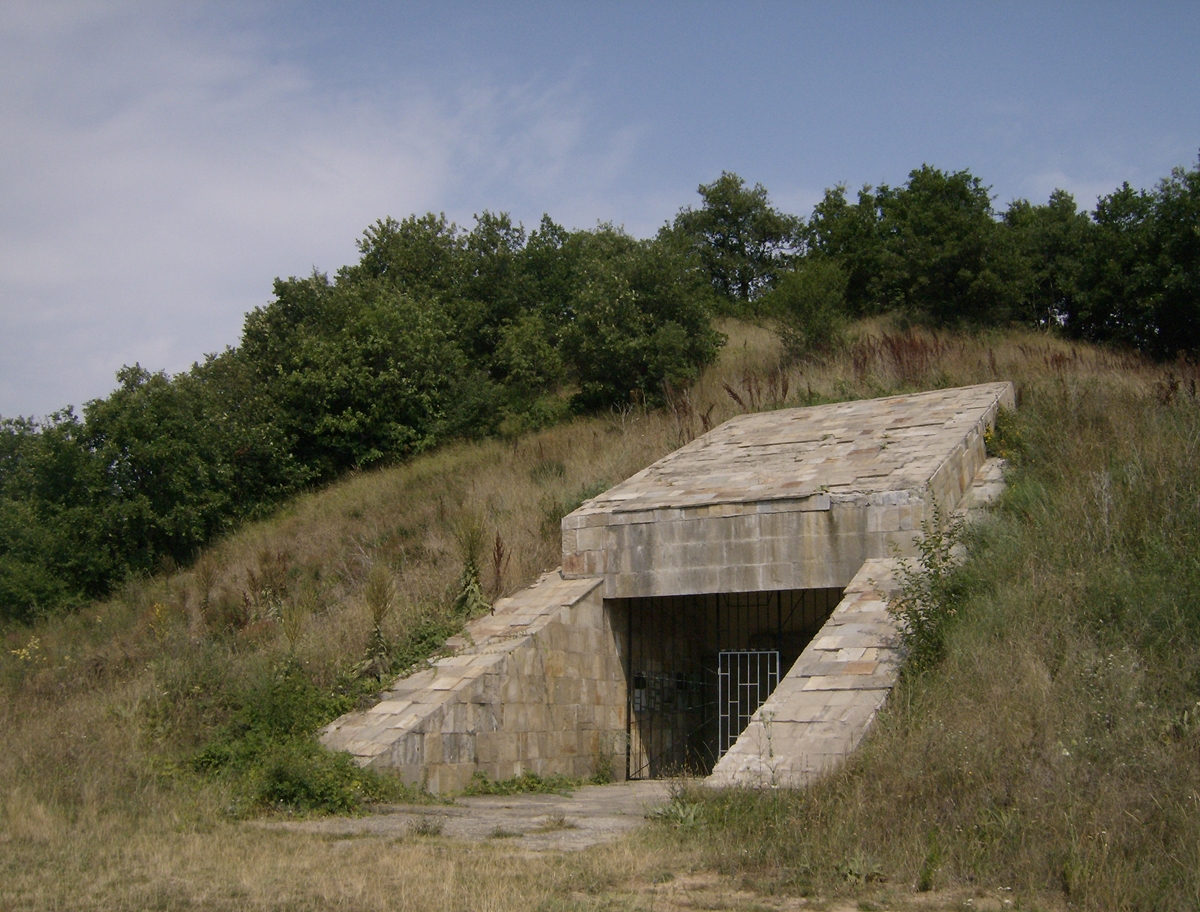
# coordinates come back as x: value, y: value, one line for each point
x: 698, y: 667
x: 723, y: 611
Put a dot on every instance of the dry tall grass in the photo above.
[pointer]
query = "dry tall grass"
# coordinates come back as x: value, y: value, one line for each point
x: 1052, y: 752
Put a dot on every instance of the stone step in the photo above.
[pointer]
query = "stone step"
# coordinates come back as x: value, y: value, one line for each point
x: 987, y: 486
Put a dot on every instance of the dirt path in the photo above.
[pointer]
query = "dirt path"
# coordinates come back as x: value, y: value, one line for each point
x: 538, y: 823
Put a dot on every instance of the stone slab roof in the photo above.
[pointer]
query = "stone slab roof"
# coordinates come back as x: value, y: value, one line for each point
x: 848, y: 448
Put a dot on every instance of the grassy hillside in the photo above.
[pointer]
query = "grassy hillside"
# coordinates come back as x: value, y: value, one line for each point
x: 1055, y: 753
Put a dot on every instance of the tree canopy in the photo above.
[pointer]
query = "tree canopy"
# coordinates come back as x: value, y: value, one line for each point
x: 440, y: 332
x: 742, y: 241
x: 435, y: 333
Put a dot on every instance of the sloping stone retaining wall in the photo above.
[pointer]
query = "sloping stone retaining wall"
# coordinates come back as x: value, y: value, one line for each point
x: 825, y: 704
x: 536, y: 687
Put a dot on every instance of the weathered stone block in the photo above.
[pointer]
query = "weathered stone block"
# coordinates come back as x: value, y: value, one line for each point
x: 537, y: 716
x: 564, y: 717
x: 433, y: 749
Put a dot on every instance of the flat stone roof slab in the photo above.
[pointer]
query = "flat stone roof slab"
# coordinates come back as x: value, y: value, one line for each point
x: 867, y: 446
x: 788, y: 499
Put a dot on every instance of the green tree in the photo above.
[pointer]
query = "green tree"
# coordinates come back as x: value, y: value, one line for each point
x: 183, y: 459
x: 527, y: 360
x: 945, y: 259
x: 809, y: 304
x: 52, y: 549
x: 494, y: 292
x: 743, y: 242
x: 422, y: 255
x: 1175, y: 247
x: 851, y: 235
x: 641, y: 318
x: 551, y: 265
x: 1114, y: 301
x: 1052, y: 241
x: 1141, y: 271
x: 359, y: 371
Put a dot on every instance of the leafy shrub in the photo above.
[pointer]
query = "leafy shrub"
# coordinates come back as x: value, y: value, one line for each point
x: 469, y: 599
x: 679, y: 813
x: 809, y: 305
x: 299, y: 775
x: 1003, y: 440
x: 926, y: 604
x: 268, y: 752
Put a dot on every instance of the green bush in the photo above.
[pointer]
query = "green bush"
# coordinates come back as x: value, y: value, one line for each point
x: 926, y: 605
x: 268, y: 753
x: 298, y: 775
x: 809, y: 304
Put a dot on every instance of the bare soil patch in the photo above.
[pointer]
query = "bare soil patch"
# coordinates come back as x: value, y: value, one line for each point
x: 533, y: 822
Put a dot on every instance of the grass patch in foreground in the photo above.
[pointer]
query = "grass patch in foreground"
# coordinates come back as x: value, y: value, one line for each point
x: 525, y: 784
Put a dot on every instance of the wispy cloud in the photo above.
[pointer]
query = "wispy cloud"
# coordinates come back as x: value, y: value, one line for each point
x: 160, y: 172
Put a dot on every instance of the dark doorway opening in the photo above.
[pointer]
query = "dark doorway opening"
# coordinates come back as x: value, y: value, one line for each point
x: 698, y: 666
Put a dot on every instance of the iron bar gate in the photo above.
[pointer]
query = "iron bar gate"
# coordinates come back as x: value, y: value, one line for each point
x: 682, y: 714
x: 745, y: 678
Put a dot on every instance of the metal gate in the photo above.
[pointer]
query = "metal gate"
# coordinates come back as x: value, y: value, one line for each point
x: 672, y: 689
x: 745, y: 678
x: 698, y: 667
x: 673, y: 710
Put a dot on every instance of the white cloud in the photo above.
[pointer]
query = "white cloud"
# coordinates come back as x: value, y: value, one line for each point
x: 160, y: 173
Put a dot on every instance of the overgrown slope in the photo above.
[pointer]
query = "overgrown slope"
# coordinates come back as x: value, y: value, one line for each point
x: 1055, y: 751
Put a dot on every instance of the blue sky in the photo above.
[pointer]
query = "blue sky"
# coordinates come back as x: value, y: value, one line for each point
x: 162, y: 163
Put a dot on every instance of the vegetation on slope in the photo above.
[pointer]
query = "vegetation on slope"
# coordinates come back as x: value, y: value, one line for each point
x: 1049, y: 744
x: 1056, y: 747
x: 439, y: 334
x: 436, y: 334
x: 1052, y: 752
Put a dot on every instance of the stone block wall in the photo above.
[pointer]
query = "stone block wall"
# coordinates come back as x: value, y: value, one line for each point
x: 536, y: 687
x: 827, y: 701
x: 814, y: 541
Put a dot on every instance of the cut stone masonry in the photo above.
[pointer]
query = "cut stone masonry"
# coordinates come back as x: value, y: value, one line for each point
x: 823, y: 707
x: 822, y: 498
x: 791, y: 499
x: 535, y: 687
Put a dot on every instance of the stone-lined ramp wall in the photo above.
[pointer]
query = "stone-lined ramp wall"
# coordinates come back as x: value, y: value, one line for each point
x: 535, y: 687
x: 824, y: 705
